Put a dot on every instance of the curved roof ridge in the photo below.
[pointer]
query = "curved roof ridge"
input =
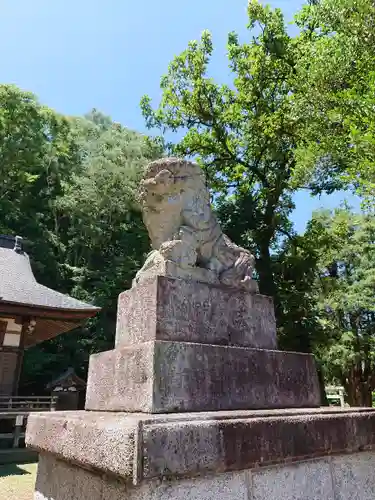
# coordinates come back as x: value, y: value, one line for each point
x: 19, y: 286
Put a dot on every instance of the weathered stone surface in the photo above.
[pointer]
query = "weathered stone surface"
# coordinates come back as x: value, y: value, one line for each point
x: 256, y: 441
x: 102, y: 441
x: 140, y: 447
x: 184, y: 232
x: 190, y: 311
x: 354, y: 477
x: 307, y: 480
x: 122, y: 377
x: 165, y: 267
x: 58, y: 480
x: 311, y: 480
x: 163, y: 377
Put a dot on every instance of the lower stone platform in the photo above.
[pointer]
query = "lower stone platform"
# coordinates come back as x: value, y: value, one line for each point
x: 138, y: 448
x: 341, y: 477
x: 163, y: 377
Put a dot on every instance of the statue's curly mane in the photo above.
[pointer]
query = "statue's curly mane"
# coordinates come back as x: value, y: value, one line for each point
x: 187, y: 181
x: 183, y: 228
x: 179, y: 167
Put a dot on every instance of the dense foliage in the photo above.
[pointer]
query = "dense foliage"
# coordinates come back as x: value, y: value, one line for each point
x: 68, y: 187
x: 345, y: 300
x: 336, y: 89
x: 297, y: 113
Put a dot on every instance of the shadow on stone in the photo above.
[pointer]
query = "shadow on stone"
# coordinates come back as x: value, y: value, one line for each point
x: 12, y: 470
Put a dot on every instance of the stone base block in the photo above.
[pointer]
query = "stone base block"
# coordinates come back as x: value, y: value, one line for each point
x: 163, y: 377
x: 345, y: 477
x: 58, y: 480
x: 156, y: 266
x: 284, y: 455
x: 338, y: 478
x: 189, y: 311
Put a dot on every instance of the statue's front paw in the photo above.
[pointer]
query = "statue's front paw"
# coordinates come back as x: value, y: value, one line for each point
x: 179, y: 252
x: 170, y: 250
x: 249, y: 285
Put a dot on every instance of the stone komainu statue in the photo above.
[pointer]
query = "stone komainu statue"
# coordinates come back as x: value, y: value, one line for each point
x: 186, y: 238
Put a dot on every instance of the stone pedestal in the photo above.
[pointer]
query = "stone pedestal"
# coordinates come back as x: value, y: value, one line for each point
x: 195, y: 402
x: 164, y: 308
x: 188, y: 346
x: 164, y: 377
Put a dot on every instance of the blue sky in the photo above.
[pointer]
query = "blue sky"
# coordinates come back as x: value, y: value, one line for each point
x: 79, y: 54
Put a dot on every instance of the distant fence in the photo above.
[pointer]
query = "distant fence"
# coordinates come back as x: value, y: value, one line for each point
x: 27, y: 404
x: 14, y: 412
x: 336, y: 394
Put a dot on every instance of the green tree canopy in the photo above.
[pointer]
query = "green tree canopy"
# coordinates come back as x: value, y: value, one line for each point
x: 335, y: 93
x: 244, y: 133
x: 37, y: 154
x: 69, y: 189
x: 344, y: 243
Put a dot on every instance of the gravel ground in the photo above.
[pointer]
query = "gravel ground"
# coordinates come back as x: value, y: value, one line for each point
x: 17, y: 481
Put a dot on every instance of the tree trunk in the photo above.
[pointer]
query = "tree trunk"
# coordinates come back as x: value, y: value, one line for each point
x: 358, y: 390
x: 358, y: 396
x: 264, y: 269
